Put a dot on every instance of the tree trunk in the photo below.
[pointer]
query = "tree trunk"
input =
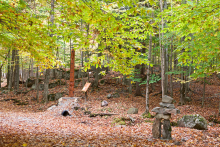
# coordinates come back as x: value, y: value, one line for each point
x: 138, y: 88
x: 162, y: 53
x: 203, y: 97
x: 16, y: 71
x: 97, y: 71
x: 148, y: 75
x: 37, y: 85
x: 46, y: 85
x: 171, y: 75
x: 11, y: 74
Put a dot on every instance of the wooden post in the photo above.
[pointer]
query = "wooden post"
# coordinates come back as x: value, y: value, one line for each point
x: 72, y: 64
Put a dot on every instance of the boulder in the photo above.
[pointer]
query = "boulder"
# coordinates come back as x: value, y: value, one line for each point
x: 167, y: 99
x: 132, y: 111
x: 109, y: 96
x: 52, y: 107
x: 104, y: 103
x: 163, y: 116
x: 166, y: 105
x: 193, y: 121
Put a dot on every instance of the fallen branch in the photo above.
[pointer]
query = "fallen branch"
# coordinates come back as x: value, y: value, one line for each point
x: 101, y: 114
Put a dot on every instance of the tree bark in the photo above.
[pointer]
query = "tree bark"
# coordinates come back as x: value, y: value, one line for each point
x: 148, y: 75
x: 162, y: 53
x: 203, y: 97
x: 37, y: 85
x: 16, y: 72
x: 138, y: 88
x: 11, y: 74
x: 171, y: 75
x: 46, y: 85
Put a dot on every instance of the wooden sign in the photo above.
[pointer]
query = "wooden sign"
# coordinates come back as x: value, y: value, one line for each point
x: 85, y: 88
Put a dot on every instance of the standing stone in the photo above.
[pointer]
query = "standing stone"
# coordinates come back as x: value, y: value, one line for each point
x: 167, y: 99
x: 104, y: 103
x: 166, y: 133
x: 133, y: 111
x: 156, y: 130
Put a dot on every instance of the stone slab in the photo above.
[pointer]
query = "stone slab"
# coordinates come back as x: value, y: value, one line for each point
x: 167, y: 99
x: 166, y: 105
x: 160, y: 110
x: 163, y: 116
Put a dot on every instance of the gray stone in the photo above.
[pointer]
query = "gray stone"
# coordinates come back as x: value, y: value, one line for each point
x: 133, y: 111
x: 104, y: 103
x: 156, y: 129
x: 188, y: 99
x: 167, y: 99
x: 109, y: 96
x: 166, y: 105
x: 163, y: 116
x: 170, y: 111
x: 115, y: 95
x: 33, y: 86
x: 156, y: 109
x: 193, y: 121
x: 160, y: 110
x: 166, y: 133
x: 52, y: 107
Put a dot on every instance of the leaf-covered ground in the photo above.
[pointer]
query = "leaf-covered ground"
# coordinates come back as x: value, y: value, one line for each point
x: 33, y: 125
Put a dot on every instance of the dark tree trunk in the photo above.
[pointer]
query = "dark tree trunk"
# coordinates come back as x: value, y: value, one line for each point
x: 16, y: 71
x: 138, y: 76
x: 46, y: 85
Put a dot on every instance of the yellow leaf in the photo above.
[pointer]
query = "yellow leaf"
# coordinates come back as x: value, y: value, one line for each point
x: 24, y: 144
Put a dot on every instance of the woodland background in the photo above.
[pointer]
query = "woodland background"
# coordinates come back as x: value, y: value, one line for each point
x: 137, y: 51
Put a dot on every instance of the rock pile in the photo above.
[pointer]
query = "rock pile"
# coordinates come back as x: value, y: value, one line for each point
x: 163, y: 112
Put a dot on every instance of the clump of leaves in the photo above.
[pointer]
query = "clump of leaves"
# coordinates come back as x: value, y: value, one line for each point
x: 149, y: 121
x: 119, y: 121
x: 147, y: 115
x: 173, y: 123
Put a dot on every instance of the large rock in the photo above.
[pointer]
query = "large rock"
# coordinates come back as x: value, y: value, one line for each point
x: 133, y: 111
x: 167, y: 105
x: 193, y: 121
x: 167, y: 99
x: 104, y: 103
x: 160, y: 110
x: 163, y: 116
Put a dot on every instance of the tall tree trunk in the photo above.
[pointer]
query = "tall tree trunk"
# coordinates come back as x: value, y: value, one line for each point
x: 162, y: 53
x: 97, y: 71
x: 171, y: 75
x: 16, y: 72
x: 46, y: 85
x: 47, y: 74
x: 148, y: 75
x: 203, y: 97
x: 11, y: 74
x: 37, y: 85
x: 138, y: 76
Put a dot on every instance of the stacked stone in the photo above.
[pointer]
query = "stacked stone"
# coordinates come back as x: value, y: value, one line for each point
x: 163, y: 112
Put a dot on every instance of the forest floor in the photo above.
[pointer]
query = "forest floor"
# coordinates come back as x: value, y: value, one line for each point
x: 33, y: 125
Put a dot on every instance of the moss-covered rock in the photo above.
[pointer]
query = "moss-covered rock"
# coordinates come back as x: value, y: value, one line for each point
x: 193, y: 121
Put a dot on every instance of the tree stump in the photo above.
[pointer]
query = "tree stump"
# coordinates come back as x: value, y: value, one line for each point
x: 156, y: 130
